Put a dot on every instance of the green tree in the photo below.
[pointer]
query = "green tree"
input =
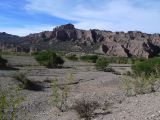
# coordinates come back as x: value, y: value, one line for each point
x: 49, y: 59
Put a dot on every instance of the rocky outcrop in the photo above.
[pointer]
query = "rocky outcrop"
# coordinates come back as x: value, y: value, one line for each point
x: 113, y: 48
x: 68, y: 38
x: 132, y: 44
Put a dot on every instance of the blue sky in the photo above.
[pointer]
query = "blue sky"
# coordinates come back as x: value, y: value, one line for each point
x: 22, y: 17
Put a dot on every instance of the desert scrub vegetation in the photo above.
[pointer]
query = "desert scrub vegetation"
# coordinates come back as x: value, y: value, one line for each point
x: 140, y: 85
x: 3, y: 62
x: 101, y: 63
x: 9, y: 101
x: 85, y: 108
x: 145, y: 77
x: 25, y: 83
x: 72, y: 57
x: 49, y: 59
x: 124, y: 60
x: 60, y: 93
x: 89, y: 58
x: 147, y: 67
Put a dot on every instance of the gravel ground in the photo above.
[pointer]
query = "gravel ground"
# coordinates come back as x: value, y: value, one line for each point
x: 89, y: 84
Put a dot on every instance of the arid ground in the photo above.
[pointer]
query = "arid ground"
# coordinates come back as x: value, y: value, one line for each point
x: 84, y: 82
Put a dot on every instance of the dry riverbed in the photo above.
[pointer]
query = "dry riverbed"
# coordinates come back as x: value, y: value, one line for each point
x: 86, y: 83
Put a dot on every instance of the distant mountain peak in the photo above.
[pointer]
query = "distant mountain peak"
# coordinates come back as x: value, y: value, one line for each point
x: 66, y: 27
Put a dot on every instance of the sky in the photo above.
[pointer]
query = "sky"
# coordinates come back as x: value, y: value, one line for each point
x: 22, y: 17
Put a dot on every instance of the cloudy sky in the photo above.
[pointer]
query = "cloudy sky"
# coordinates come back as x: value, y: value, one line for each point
x: 21, y: 17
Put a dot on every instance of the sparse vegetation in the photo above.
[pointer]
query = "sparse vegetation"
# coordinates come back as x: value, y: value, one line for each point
x: 72, y: 57
x: 109, y: 69
x: 141, y: 84
x: 25, y: 83
x: 49, y: 59
x: 145, y: 77
x: 101, y: 63
x: 60, y: 93
x: 9, y: 101
x: 89, y: 58
x: 86, y: 108
x: 124, y: 60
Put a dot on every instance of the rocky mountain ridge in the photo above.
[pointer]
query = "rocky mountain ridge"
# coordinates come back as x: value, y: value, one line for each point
x: 68, y: 38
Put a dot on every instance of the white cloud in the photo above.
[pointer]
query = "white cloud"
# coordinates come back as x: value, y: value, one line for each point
x: 116, y: 15
x: 25, y: 30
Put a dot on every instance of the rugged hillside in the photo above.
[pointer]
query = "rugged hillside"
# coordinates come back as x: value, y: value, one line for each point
x: 68, y: 38
x: 7, y: 38
x: 14, y: 43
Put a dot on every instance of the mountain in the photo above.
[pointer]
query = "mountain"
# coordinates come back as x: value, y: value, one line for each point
x: 68, y: 38
x: 7, y: 38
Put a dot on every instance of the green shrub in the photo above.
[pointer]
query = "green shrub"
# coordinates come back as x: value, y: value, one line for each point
x: 72, y: 57
x: 101, y: 63
x: 3, y: 62
x: 147, y: 67
x: 89, y: 58
x: 49, y: 59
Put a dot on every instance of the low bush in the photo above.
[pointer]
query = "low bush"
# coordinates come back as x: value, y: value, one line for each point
x: 86, y: 108
x: 109, y: 69
x: 49, y: 59
x: 147, y: 67
x: 101, y: 63
x: 3, y: 62
x: 141, y: 84
x: 25, y: 83
x: 61, y: 92
x: 89, y: 58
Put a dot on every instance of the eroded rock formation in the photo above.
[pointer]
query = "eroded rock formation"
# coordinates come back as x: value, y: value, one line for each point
x: 68, y: 38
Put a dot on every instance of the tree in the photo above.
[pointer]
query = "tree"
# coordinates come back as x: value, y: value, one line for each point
x: 49, y: 59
